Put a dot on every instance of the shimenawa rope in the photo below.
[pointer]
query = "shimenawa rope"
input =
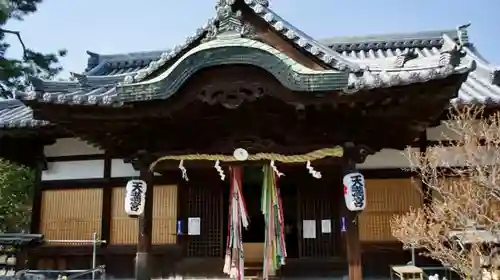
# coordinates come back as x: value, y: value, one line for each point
x: 311, y: 156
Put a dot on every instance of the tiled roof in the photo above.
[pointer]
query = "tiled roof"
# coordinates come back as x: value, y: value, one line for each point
x: 369, y: 61
x: 482, y: 85
x: 117, y: 79
x: 14, y: 114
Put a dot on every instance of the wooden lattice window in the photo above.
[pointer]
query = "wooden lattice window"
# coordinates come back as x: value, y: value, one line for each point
x: 492, y: 207
x: 71, y: 214
x: 317, y: 201
x: 165, y: 214
x: 124, y: 230
x: 205, y: 201
x: 385, y: 198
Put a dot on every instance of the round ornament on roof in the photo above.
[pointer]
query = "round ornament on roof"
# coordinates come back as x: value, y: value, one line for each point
x: 128, y: 79
x: 264, y: 3
x: 240, y: 154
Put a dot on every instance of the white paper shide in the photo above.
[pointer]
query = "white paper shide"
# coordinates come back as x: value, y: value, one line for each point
x: 354, y: 191
x: 135, y: 197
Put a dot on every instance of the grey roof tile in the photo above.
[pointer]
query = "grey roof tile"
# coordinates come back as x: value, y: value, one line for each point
x: 102, y: 64
x: 14, y: 114
x: 111, y: 74
x: 379, y: 60
x: 383, y: 72
x: 299, y: 38
x: 423, y: 39
x: 481, y: 87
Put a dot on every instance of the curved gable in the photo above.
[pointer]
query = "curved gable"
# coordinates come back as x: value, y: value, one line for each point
x: 288, y: 72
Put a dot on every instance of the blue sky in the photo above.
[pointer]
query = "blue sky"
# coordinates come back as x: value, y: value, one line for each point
x: 117, y: 26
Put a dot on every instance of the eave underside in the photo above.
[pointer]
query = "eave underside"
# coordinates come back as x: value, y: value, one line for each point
x: 264, y: 123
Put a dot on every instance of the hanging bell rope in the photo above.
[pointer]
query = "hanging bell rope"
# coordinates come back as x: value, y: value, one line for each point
x: 336, y: 151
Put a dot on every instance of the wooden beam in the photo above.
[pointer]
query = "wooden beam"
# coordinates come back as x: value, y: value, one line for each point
x: 352, y: 156
x: 353, y: 247
x: 426, y: 191
x: 106, y: 215
x: 37, y: 200
x: 107, y: 197
x: 37, y: 192
x: 142, y: 260
x: 47, y: 251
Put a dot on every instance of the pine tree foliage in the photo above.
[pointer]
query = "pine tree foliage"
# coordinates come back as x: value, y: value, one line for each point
x: 14, y: 71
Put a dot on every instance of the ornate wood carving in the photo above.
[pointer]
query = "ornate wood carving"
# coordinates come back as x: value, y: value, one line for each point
x: 232, y: 95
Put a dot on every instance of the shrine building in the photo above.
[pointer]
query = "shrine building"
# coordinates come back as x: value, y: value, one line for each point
x: 251, y: 82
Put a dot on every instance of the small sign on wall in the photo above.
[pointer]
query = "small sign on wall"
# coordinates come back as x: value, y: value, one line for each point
x: 135, y: 197
x: 179, y: 227
x: 343, y: 227
x: 326, y: 226
x: 194, y: 226
x: 308, y: 229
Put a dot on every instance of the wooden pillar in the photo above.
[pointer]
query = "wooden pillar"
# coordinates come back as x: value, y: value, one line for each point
x: 40, y: 165
x: 107, y: 197
x: 142, y: 162
x: 353, y: 155
x: 426, y: 191
x: 353, y: 247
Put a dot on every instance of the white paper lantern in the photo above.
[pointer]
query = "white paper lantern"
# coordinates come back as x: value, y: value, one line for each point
x: 354, y: 191
x: 135, y: 197
x: 240, y: 154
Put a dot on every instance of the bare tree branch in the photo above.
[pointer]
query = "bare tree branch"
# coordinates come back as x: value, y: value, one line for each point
x: 18, y: 35
x: 461, y: 226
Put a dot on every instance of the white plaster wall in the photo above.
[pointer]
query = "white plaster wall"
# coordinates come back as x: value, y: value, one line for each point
x: 122, y: 169
x: 445, y: 156
x: 70, y: 147
x: 454, y: 156
x: 70, y: 170
x: 441, y: 132
x: 386, y: 158
x: 448, y: 156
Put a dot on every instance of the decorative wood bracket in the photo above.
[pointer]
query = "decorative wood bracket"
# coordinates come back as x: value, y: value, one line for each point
x: 41, y: 162
x: 141, y: 160
x: 356, y: 154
